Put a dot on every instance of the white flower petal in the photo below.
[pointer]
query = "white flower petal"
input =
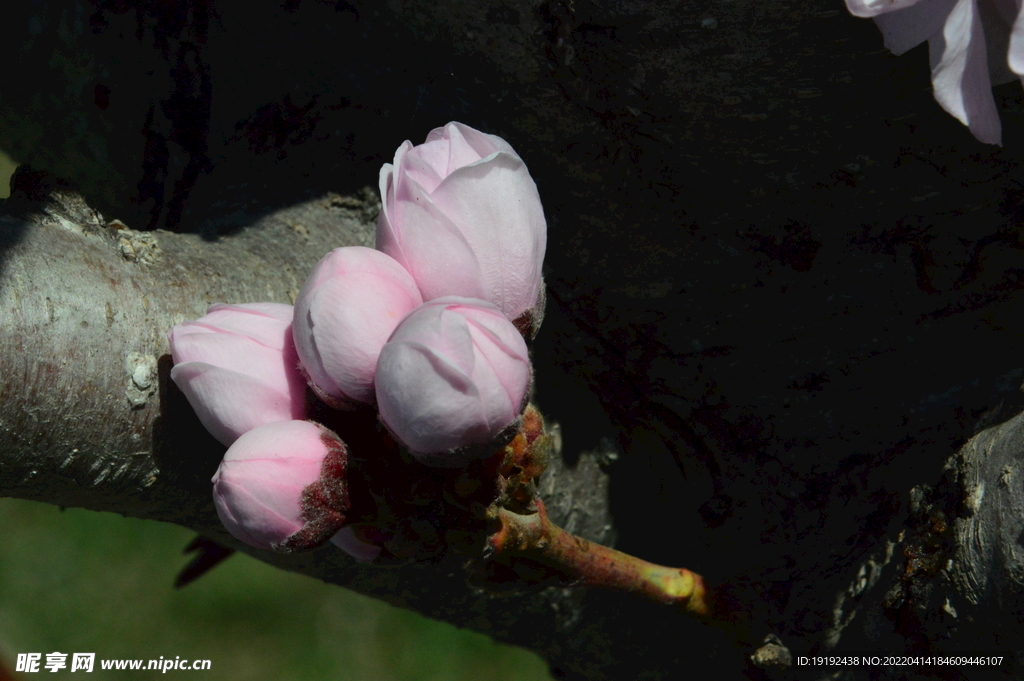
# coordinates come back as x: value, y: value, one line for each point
x: 872, y: 8
x: 1016, y: 54
x: 960, y: 75
x: 908, y: 27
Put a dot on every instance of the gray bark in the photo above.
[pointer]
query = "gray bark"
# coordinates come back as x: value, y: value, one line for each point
x: 781, y: 280
x: 91, y: 419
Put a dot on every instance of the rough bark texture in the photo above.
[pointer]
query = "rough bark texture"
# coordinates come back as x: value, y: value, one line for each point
x: 781, y: 280
x: 91, y: 418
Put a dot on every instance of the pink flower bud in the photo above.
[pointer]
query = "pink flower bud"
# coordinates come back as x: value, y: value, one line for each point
x: 238, y: 367
x: 463, y: 215
x: 353, y: 545
x: 282, y: 486
x: 452, y: 378
x: 351, y: 302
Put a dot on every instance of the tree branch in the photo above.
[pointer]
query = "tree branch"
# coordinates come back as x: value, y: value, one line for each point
x: 92, y: 420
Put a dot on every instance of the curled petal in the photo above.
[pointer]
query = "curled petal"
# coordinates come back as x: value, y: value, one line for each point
x: 495, y: 205
x: 462, y: 214
x: 960, y: 75
x: 455, y: 374
x: 238, y: 354
x: 436, y: 252
x: 238, y: 367
x: 389, y: 239
x: 967, y: 41
x: 349, y: 305
x: 481, y: 143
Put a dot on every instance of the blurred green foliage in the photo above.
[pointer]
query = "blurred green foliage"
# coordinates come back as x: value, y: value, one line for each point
x: 7, y: 166
x: 81, y: 581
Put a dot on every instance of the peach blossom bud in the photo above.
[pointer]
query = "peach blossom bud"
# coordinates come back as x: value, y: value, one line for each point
x: 282, y: 486
x: 351, y: 302
x: 463, y: 215
x: 452, y: 379
x: 238, y: 367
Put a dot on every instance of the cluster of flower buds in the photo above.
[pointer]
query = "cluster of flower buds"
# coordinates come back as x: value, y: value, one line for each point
x: 427, y: 333
x: 416, y: 352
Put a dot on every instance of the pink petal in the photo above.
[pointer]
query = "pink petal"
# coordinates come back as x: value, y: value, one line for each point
x: 387, y: 239
x: 295, y: 441
x: 229, y: 403
x: 258, y: 486
x: 235, y: 353
x: 505, y: 355
x: 349, y: 305
x: 460, y: 151
x: 252, y: 519
x: 389, y: 232
x: 349, y: 260
x: 426, y: 163
x: 352, y: 319
x: 434, y: 405
x: 482, y: 143
x: 437, y: 254
x: 454, y: 373
x: 446, y: 333
x: 266, y: 323
x: 234, y: 505
x: 347, y: 541
x: 495, y: 205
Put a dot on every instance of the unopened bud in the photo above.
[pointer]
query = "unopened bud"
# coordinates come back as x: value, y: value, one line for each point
x: 283, y: 486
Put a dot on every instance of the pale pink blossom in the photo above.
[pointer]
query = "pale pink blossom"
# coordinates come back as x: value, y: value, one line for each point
x: 351, y: 302
x: 238, y: 367
x: 347, y: 541
x: 282, y: 486
x: 453, y: 377
x: 972, y: 44
x: 463, y: 215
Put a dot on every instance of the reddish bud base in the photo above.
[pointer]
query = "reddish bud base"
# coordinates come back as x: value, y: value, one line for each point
x: 324, y: 502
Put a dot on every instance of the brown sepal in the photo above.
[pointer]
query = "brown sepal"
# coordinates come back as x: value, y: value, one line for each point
x: 325, y: 501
